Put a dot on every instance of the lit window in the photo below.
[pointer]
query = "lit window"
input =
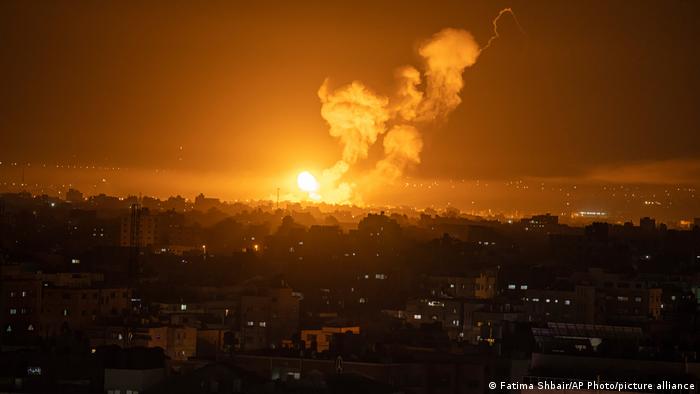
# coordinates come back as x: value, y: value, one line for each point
x: 567, y: 302
x: 523, y: 287
x: 250, y: 323
x: 511, y: 287
x: 547, y: 300
x: 262, y: 324
x: 13, y: 311
x: 34, y: 371
x: 535, y: 300
x: 75, y: 261
x: 183, y: 307
x: 637, y: 299
x: 417, y: 317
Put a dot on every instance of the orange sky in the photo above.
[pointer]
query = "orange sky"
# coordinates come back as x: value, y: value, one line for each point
x: 228, y: 91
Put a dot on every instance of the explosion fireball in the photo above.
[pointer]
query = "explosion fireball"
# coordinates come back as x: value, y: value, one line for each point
x: 308, y: 183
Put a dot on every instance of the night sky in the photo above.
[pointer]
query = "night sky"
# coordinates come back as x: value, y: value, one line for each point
x: 602, y: 91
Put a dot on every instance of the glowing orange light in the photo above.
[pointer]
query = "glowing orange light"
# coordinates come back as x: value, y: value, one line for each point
x: 307, y: 182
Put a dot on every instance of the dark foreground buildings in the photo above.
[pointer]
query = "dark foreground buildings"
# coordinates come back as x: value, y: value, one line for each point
x: 128, y: 295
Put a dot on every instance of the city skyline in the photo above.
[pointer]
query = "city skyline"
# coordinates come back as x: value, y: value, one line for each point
x: 370, y: 196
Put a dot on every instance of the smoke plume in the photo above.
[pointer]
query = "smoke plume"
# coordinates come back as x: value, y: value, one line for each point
x: 402, y: 147
x: 358, y: 117
x: 409, y: 96
x: 446, y: 56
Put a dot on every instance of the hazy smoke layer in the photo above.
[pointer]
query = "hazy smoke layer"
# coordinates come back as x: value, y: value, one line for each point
x: 358, y: 117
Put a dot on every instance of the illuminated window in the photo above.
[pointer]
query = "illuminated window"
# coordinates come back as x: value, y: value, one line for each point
x: 417, y: 317
x: 535, y: 300
x: 75, y: 261
x: 567, y: 302
x: 523, y: 287
x: 34, y: 371
x: 511, y: 287
x: 250, y: 323
x: 13, y: 311
x: 183, y: 307
x: 262, y: 324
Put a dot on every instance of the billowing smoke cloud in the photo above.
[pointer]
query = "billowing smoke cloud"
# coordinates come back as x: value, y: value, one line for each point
x: 358, y: 117
x: 409, y: 95
x: 446, y: 56
x: 402, y: 147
